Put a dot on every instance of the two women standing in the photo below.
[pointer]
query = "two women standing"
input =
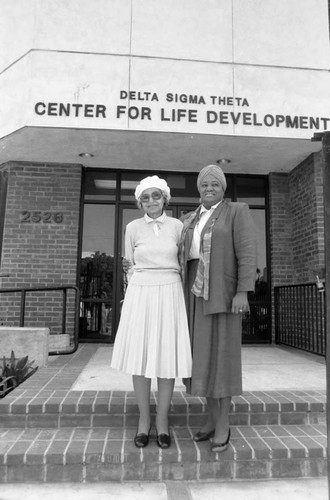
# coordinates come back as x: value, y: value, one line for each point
x: 217, y: 256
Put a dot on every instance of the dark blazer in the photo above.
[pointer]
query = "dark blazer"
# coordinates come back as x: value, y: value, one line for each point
x: 233, y: 260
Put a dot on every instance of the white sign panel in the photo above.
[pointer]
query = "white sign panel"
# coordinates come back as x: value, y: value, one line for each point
x: 111, y: 92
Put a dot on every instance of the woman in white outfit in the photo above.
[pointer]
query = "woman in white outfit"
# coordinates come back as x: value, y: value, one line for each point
x: 152, y: 340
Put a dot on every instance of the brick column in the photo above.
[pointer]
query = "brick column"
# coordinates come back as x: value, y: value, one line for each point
x: 296, y: 223
x: 307, y: 216
x: 280, y: 230
x: 40, y: 237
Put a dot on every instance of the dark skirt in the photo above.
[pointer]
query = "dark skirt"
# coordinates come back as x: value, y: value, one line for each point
x: 216, y: 349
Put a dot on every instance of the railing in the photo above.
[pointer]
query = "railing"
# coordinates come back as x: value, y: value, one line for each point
x: 300, y: 317
x: 64, y: 289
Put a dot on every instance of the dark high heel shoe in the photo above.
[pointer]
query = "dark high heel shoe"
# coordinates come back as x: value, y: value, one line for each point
x: 219, y: 447
x: 163, y: 441
x: 203, y: 436
x: 141, y: 440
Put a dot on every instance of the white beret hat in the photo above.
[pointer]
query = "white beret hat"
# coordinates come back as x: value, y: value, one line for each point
x: 152, y: 182
x: 216, y: 172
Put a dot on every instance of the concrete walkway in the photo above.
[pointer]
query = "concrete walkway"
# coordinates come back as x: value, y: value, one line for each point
x: 265, y: 368
x: 294, y: 489
x: 302, y: 489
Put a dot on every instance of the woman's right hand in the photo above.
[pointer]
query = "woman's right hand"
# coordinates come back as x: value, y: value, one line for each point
x: 240, y: 303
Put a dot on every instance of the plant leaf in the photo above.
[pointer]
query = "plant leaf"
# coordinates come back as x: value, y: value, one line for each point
x: 21, y: 363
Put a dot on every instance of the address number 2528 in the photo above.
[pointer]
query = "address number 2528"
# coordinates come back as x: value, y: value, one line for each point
x: 38, y: 216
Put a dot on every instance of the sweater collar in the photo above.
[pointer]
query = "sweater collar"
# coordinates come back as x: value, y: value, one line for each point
x: 161, y: 218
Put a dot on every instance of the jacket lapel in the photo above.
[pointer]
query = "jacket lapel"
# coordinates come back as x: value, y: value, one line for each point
x: 190, y: 233
x: 215, y: 215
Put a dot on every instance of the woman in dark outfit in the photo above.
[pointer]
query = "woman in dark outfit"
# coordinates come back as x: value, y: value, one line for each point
x: 218, y: 260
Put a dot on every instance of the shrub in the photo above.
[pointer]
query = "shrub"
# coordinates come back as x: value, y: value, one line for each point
x: 13, y: 372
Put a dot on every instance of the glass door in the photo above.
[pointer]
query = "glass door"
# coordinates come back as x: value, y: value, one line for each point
x: 127, y: 213
x: 109, y: 205
x: 256, y: 323
x: 256, y: 327
x: 97, y: 273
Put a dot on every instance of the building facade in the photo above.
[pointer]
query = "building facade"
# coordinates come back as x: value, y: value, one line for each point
x: 97, y: 94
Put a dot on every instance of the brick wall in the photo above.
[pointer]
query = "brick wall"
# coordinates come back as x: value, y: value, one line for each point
x: 307, y: 215
x: 297, y: 223
x: 40, y: 240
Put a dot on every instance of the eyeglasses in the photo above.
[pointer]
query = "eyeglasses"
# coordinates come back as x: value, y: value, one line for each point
x: 156, y: 195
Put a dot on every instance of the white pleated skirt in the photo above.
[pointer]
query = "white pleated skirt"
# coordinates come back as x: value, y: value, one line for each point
x: 153, y: 338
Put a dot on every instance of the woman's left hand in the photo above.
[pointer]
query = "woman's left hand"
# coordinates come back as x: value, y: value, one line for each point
x: 240, y: 303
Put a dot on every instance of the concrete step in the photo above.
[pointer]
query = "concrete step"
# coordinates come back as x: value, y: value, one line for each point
x: 24, y: 408
x: 52, y: 433
x: 108, y: 454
